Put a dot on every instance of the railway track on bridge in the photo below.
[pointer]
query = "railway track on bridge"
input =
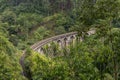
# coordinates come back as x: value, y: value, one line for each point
x: 41, y: 43
x: 54, y: 38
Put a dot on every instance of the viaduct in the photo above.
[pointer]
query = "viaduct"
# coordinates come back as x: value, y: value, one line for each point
x: 62, y: 40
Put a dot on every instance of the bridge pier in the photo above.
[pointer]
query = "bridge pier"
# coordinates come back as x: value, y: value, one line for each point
x: 65, y: 42
x: 62, y: 40
x: 40, y: 50
x: 60, y: 44
x: 73, y: 38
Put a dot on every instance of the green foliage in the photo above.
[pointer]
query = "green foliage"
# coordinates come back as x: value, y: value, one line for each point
x: 46, y: 68
x: 3, y: 30
x: 8, y: 16
x: 9, y: 69
x: 107, y: 8
x: 90, y: 59
x: 6, y: 46
x: 23, y: 22
x: 9, y: 63
x: 41, y: 33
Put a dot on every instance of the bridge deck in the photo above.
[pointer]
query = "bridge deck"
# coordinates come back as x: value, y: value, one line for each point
x: 45, y: 41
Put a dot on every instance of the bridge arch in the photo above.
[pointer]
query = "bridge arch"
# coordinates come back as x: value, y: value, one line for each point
x: 62, y: 40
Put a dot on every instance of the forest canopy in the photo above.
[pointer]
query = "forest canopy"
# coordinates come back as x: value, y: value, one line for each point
x: 25, y: 22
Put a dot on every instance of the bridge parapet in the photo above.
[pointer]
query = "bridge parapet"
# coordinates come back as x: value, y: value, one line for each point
x: 62, y: 40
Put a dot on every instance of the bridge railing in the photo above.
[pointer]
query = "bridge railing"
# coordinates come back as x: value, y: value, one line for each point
x: 48, y: 40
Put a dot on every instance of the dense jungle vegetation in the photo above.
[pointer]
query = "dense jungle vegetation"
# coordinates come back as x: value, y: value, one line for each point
x: 25, y: 22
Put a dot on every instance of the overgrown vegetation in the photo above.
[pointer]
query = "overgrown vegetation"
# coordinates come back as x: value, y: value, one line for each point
x: 24, y: 22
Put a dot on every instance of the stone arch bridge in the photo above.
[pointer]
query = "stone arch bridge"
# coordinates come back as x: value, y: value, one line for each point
x: 62, y: 40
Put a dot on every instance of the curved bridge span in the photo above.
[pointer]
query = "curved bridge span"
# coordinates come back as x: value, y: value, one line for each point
x: 62, y: 40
